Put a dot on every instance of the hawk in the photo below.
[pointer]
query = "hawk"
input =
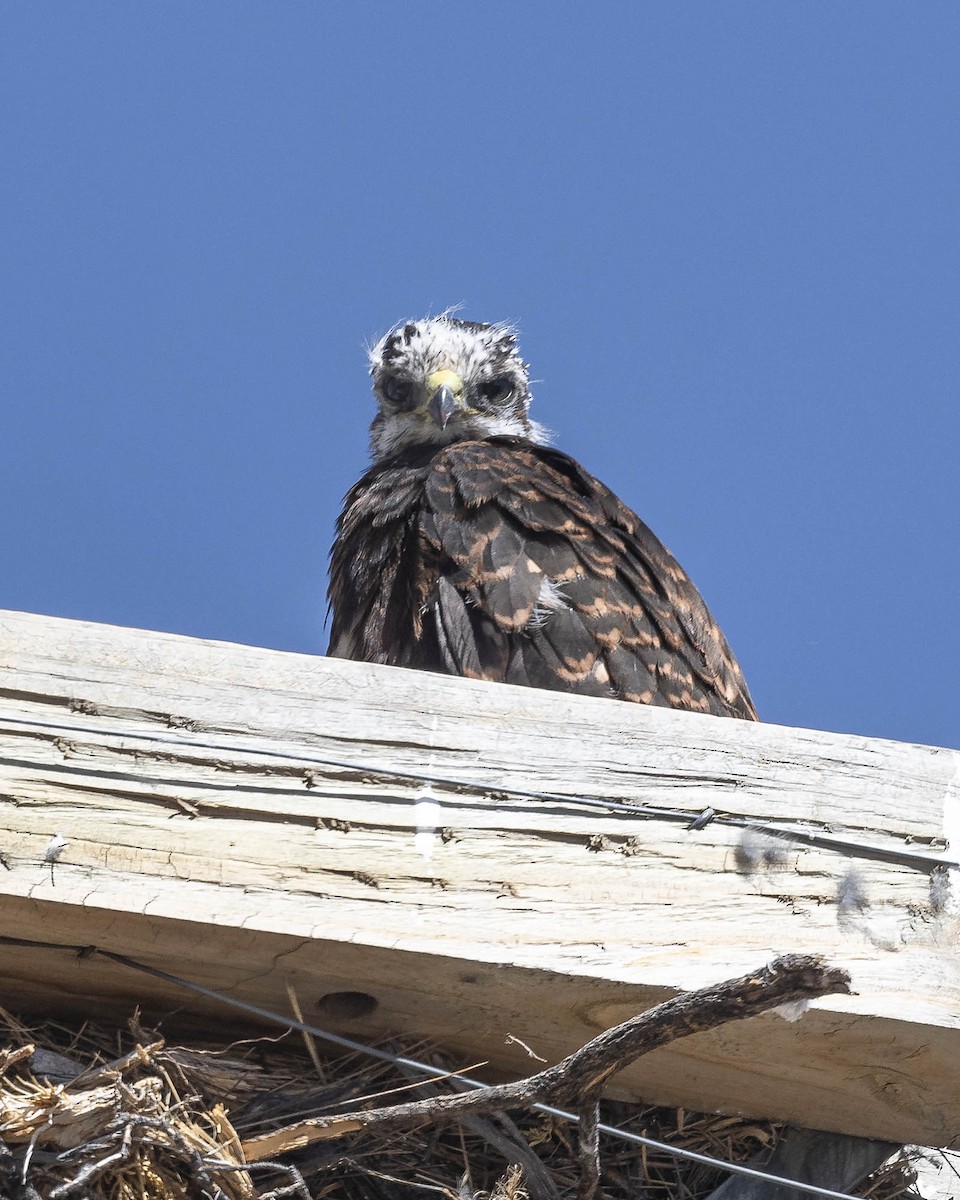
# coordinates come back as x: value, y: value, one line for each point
x: 471, y: 547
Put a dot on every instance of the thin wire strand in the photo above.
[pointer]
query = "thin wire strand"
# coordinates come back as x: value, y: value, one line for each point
x: 916, y: 860
x: 425, y: 1068
x: 467, y: 1081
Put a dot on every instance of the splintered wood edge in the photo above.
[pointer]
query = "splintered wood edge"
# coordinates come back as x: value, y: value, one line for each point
x: 98, y: 692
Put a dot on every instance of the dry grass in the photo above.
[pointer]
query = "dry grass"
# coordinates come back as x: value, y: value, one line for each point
x: 99, y: 1113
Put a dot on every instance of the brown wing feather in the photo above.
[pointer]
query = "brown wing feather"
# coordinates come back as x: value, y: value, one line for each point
x: 442, y: 564
x: 378, y: 569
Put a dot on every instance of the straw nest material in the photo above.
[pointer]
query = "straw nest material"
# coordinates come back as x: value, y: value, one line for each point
x: 99, y: 1113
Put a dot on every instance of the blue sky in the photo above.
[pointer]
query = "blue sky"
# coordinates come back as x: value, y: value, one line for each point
x: 728, y: 232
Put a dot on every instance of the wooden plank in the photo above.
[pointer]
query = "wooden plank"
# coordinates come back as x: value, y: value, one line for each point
x: 209, y: 835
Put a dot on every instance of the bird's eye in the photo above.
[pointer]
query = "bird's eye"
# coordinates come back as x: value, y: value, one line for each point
x: 398, y: 391
x: 495, y: 390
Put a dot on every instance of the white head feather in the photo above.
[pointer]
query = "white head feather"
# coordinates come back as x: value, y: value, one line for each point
x: 485, y: 357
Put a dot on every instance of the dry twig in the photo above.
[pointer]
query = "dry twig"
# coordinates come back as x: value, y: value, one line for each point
x: 791, y: 978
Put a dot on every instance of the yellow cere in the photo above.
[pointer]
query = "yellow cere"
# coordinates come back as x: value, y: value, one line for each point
x: 444, y: 378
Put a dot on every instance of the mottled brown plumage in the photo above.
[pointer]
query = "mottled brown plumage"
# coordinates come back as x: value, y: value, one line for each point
x: 477, y: 552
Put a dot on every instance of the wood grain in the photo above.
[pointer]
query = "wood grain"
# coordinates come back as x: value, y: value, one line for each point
x: 209, y: 835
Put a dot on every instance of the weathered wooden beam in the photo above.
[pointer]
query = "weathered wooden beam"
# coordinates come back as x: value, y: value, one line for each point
x: 211, y: 834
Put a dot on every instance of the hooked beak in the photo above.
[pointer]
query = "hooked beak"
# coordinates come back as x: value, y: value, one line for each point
x: 444, y: 389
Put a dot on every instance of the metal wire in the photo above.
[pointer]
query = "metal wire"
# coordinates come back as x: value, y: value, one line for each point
x: 425, y: 1068
x: 911, y: 859
x: 916, y: 860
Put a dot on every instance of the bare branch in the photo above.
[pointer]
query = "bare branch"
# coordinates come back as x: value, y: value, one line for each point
x: 788, y: 979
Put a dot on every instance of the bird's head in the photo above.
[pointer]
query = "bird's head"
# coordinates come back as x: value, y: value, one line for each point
x: 443, y: 380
